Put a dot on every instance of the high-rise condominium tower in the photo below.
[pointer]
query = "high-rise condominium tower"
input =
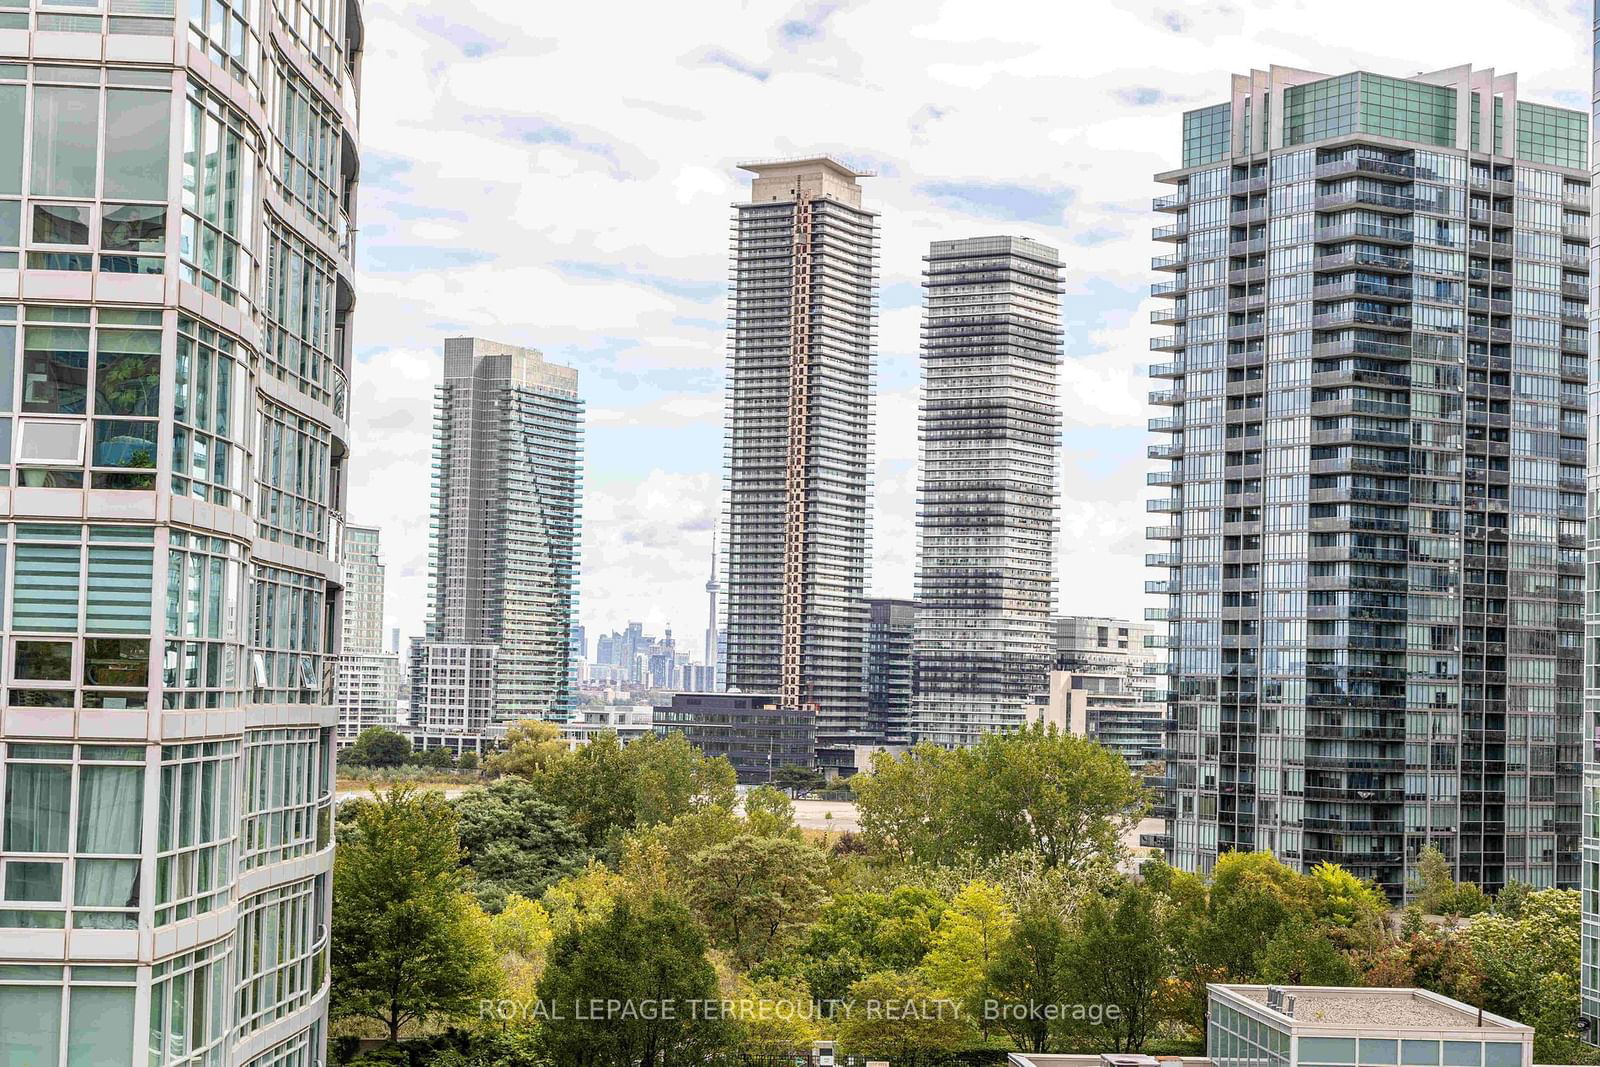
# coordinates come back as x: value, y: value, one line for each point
x: 1379, y: 291
x: 177, y: 188
x: 508, y: 440
x: 891, y: 634
x: 367, y: 679
x: 800, y: 377
x: 1590, y: 968
x: 991, y: 431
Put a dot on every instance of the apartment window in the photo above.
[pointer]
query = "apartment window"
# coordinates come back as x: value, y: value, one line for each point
x: 189, y: 1006
x: 287, y: 796
x: 295, y: 475
x: 205, y: 591
x: 59, y: 380
x: 218, y: 181
x: 281, y: 942
x: 72, y: 831
x: 196, y: 836
x: 208, y: 407
x: 80, y: 1016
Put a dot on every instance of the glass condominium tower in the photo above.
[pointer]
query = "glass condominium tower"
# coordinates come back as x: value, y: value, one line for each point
x: 802, y: 338
x: 508, y: 450
x: 1378, y: 294
x: 991, y: 435
x: 1590, y: 967
x: 177, y: 194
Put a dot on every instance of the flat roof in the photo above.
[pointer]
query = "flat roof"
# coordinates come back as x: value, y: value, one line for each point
x: 1374, y: 1009
x: 756, y: 166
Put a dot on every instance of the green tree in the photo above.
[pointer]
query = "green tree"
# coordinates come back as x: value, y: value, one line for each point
x: 409, y: 943
x: 515, y: 841
x: 377, y: 747
x: 797, y: 780
x: 900, y: 1018
x: 1435, y: 888
x: 438, y: 759
x: 1517, y: 954
x: 1037, y: 790
x: 609, y: 788
x: 1340, y: 898
x: 530, y: 747
x: 522, y: 933
x: 1118, y: 957
x: 1252, y: 896
x: 1301, y: 954
x: 1027, y: 977
x: 468, y: 761
x: 859, y: 933
x: 967, y: 943
x: 752, y: 892
x: 773, y: 1018
x: 769, y: 812
x: 649, y: 959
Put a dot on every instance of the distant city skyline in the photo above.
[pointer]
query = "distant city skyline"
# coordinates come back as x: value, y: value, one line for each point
x: 594, y: 230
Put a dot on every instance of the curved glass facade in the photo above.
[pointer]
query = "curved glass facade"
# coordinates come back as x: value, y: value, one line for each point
x: 177, y: 189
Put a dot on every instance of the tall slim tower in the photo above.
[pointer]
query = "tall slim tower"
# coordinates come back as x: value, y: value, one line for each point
x: 1590, y: 968
x: 713, y: 658
x: 175, y: 378
x: 800, y: 377
x: 991, y: 434
x: 367, y: 679
x: 509, y: 447
x: 1374, y: 563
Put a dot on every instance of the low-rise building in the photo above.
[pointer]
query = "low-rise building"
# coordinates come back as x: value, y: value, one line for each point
x: 753, y: 731
x: 628, y: 721
x: 1318, y: 1026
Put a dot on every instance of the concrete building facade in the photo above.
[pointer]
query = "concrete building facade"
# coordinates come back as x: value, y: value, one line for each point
x: 1589, y: 974
x: 802, y: 343
x: 988, y: 507
x: 1374, y: 475
x: 176, y: 304
x: 756, y: 732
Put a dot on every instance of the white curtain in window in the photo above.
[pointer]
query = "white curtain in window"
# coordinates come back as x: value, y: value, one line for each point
x: 110, y: 802
x: 105, y: 884
x: 37, y: 799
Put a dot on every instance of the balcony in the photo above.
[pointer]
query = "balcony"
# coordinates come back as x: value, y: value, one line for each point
x: 1176, y: 261
x: 1363, y: 258
x: 1359, y: 346
x: 1166, y: 424
x: 1162, y: 505
x: 1163, y: 533
x: 1171, y: 202
x: 1174, y: 369
x: 1163, y: 559
x: 1170, y: 397
x: 1244, y: 186
x: 1364, y: 231
x: 1363, y: 198
x: 1356, y: 287
x: 1363, y: 165
x: 1166, y: 343
x: 1175, y: 232
x: 1248, y: 247
x: 1175, y: 288
x: 1247, y: 330
x: 1167, y: 477
x: 1361, y: 317
x: 1171, y: 450
x: 1161, y: 588
x: 1169, y: 316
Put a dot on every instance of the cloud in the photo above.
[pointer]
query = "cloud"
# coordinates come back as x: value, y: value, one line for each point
x: 556, y: 176
x: 997, y: 200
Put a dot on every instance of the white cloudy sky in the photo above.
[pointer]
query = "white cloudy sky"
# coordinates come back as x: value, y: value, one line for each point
x: 559, y: 175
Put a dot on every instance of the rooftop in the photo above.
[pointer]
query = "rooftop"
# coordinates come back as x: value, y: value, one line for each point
x: 760, y: 166
x: 1375, y: 1009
